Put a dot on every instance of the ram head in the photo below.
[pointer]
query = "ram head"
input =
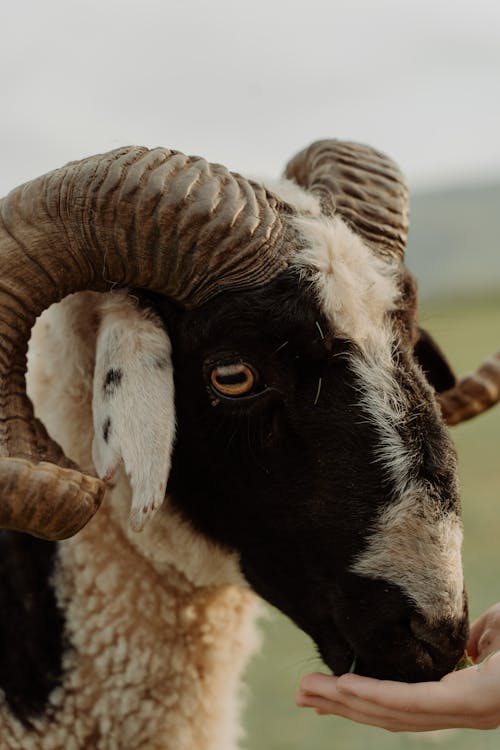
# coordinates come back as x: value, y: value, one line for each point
x: 290, y: 413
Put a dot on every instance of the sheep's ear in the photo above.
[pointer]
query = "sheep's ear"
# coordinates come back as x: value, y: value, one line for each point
x: 433, y: 362
x: 133, y: 405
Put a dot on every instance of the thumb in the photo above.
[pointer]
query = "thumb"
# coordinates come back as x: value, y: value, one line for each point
x: 476, y: 631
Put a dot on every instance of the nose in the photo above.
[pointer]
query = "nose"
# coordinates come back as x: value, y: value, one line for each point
x: 446, y: 638
x: 414, y: 650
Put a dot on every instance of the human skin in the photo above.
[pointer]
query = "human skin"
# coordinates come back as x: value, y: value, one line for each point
x: 469, y: 698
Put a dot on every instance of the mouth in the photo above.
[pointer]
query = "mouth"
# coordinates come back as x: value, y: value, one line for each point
x: 420, y: 668
x: 336, y: 652
x: 379, y: 633
x: 395, y: 655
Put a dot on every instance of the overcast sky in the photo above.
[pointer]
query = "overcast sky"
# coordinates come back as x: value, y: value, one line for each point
x: 249, y: 83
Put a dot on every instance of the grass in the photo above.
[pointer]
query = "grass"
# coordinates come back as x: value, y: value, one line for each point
x: 468, y: 331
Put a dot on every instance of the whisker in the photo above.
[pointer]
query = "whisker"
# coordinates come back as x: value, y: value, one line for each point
x: 233, y: 435
x: 280, y: 347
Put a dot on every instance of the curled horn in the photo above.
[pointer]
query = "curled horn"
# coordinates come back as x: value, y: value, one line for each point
x: 473, y: 394
x: 134, y: 217
x: 362, y: 185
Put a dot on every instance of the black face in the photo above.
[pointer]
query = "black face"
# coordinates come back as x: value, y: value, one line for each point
x: 274, y: 459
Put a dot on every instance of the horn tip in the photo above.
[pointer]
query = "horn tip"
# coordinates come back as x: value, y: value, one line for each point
x: 46, y: 500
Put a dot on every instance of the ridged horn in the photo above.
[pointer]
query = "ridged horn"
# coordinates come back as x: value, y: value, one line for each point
x: 473, y: 394
x: 134, y: 217
x: 362, y: 185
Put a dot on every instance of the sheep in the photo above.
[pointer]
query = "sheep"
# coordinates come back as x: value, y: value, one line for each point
x: 243, y: 370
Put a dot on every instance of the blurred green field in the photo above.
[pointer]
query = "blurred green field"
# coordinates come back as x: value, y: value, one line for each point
x: 468, y: 331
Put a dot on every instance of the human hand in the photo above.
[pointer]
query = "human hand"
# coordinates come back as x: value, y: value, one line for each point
x: 468, y: 698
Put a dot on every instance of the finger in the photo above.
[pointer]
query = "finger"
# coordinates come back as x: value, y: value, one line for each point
x: 489, y: 620
x: 456, y: 701
x: 320, y: 684
x: 398, y: 723
x: 372, y: 714
x: 400, y: 696
x: 488, y: 643
x: 476, y: 630
x: 326, y: 707
x: 365, y: 712
x: 384, y: 693
x: 431, y: 698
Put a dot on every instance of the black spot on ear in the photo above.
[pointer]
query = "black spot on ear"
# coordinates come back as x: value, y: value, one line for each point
x: 106, y: 428
x: 162, y: 363
x: 112, y: 381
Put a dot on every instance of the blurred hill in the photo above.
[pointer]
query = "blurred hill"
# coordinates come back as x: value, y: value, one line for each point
x: 454, y: 242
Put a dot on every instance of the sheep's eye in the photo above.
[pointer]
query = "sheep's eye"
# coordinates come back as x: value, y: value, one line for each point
x: 233, y: 380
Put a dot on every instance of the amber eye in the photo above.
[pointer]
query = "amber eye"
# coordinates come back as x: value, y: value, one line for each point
x: 233, y: 380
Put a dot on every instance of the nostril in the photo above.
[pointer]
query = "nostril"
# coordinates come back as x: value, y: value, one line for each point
x: 422, y: 632
x: 443, y: 637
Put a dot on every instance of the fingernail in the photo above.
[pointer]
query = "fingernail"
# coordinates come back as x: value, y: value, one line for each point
x: 300, y: 698
x: 303, y: 703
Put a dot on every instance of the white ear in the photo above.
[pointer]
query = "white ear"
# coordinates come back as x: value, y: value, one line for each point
x: 133, y: 404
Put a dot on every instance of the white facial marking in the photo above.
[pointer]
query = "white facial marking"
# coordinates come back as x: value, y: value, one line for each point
x: 418, y: 548
x: 383, y: 404
x: 355, y: 288
x: 412, y: 543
